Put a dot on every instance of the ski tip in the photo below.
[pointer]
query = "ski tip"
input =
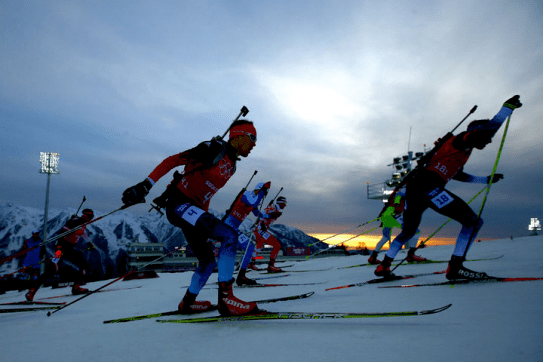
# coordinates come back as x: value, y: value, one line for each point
x: 434, y: 311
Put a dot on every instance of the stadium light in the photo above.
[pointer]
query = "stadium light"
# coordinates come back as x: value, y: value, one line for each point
x: 49, y: 165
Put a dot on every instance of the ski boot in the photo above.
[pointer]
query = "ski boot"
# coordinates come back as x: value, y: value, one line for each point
x: 78, y: 290
x: 188, y: 305
x: 230, y: 305
x: 456, y: 270
x: 242, y: 280
x: 383, y: 269
x: 30, y: 294
x: 413, y: 258
x: 273, y: 269
x: 252, y: 265
x: 373, y: 259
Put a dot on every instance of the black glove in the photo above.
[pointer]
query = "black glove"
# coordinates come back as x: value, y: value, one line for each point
x: 496, y: 178
x: 137, y: 193
x: 91, y: 246
x: 513, y: 102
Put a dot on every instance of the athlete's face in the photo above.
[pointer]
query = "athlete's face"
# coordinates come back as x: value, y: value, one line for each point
x: 243, y: 144
x: 484, y: 138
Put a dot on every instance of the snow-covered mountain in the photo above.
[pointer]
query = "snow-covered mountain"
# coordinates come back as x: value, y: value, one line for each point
x: 111, y: 235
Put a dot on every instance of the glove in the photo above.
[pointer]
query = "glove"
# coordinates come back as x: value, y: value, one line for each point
x: 496, y: 178
x: 513, y: 103
x: 137, y: 193
x: 91, y: 246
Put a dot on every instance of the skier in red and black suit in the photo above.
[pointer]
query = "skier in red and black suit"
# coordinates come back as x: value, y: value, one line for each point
x: 427, y: 190
x: 208, y: 167
x: 66, y: 249
x: 262, y: 236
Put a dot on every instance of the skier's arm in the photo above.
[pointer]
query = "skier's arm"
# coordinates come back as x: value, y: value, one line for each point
x: 468, y: 178
x: 137, y: 193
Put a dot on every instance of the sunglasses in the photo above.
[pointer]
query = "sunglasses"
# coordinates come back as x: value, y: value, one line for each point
x: 252, y: 137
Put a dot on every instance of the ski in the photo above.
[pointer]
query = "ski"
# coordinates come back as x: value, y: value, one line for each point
x: 473, y: 281
x: 274, y: 285
x: 291, y: 271
x: 213, y: 307
x: 426, y: 262
x: 257, y: 278
x: 90, y: 291
x: 30, y: 308
x: 33, y: 303
x: 264, y: 269
x: 442, y: 261
x: 386, y: 279
x: 269, y: 315
x: 270, y: 285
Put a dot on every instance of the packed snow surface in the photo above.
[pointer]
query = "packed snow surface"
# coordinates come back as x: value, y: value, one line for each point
x: 487, y: 322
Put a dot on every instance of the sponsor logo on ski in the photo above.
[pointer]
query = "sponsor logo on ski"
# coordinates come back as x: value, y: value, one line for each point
x: 471, y: 274
x: 310, y: 316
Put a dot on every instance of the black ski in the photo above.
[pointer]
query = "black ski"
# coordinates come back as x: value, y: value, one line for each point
x: 33, y: 303
x: 274, y: 285
x: 257, y: 278
x: 291, y: 271
x: 386, y: 279
x: 472, y: 281
x: 269, y: 315
x: 30, y: 308
x: 90, y: 291
x: 426, y: 262
x: 213, y: 307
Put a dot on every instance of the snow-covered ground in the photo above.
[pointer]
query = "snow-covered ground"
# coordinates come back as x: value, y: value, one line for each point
x: 487, y: 322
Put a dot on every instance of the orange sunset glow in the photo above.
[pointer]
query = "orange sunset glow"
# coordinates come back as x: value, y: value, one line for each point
x: 353, y: 241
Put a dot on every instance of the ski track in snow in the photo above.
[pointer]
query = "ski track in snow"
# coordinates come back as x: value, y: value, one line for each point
x: 487, y: 322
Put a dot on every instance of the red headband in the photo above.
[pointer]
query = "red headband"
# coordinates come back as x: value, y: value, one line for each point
x: 243, y: 129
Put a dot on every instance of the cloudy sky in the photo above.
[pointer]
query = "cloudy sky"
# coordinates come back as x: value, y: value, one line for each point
x: 334, y: 88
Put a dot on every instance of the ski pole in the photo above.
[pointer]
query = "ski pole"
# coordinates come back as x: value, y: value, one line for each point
x: 438, y: 229
x: 350, y: 229
x: 109, y: 283
x: 83, y: 201
x: 259, y: 218
x: 488, y: 187
x: 349, y: 239
x: 59, y: 236
x: 227, y: 212
x: 39, y: 263
x: 243, y: 112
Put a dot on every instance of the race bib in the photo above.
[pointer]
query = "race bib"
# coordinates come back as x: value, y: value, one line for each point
x: 442, y: 199
x: 189, y: 213
x: 243, y: 240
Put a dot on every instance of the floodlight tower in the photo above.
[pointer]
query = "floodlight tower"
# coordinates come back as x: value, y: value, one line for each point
x: 50, y: 164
